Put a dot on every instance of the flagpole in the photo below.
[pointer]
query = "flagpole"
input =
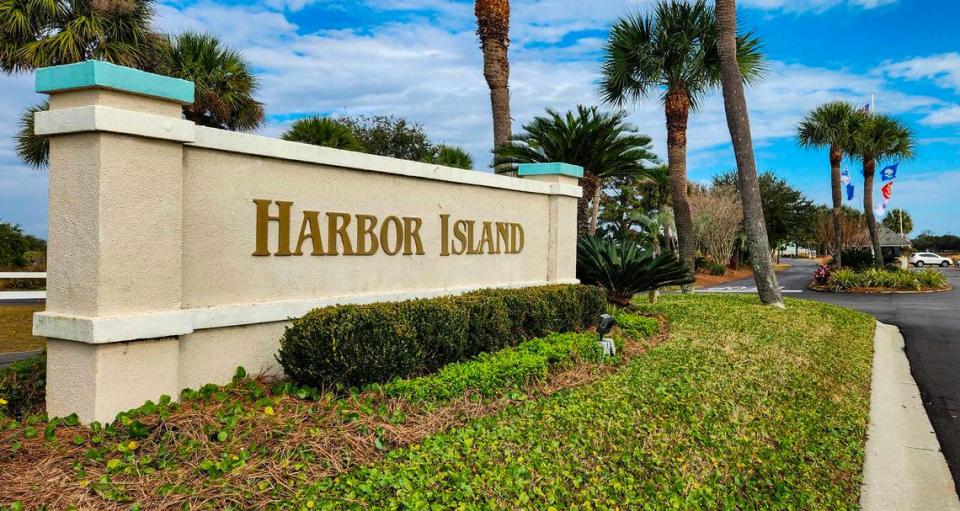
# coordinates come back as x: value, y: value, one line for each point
x: 871, y: 104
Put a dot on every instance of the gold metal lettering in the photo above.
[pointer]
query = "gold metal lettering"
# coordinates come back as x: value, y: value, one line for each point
x: 411, y: 228
x: 385, y: 235
x: 337, y: 227
x: 444, y: 235
x: 311, y: 220
x: 365, y: 225
x: 486, y: 238
x: 283, y: 227
x: 516, y: 238
x: 470, y: 248
x: 503, y: 234
x: 460, y: 233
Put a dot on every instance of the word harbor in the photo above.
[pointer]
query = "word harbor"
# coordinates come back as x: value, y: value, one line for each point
x: 369, y: 235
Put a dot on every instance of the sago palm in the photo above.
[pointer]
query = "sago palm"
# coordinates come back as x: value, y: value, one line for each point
x: 879, y: 138
x: 623, y: 268
x: 41, y: 33
x: 832, y: 125
x: 603, y: 143
x: 672, y: 52
x: 223, y: 79
x: 493, y: 29
x: 323, y: 131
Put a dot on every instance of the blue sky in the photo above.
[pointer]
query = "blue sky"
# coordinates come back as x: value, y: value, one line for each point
x: 420, y: 59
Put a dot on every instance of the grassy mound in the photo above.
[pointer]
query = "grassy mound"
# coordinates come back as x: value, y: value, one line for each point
x: 744, y: 407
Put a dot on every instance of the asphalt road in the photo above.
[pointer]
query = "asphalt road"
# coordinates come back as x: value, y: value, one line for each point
x: 930, y: 324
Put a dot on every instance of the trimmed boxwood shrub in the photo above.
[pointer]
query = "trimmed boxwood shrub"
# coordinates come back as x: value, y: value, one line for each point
x: 353, y: 345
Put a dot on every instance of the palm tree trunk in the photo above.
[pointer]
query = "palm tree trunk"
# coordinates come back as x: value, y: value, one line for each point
x: 493, y: 28
x: 595, y: 214
x: 738, y: 121
x: 677, y: 109
x: 589, y: 185
x: 496, y: 69
x: 869, y: 169
x: 836, y: 157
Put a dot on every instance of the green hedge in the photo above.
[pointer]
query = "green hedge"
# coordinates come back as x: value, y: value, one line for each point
x: 353, y: 345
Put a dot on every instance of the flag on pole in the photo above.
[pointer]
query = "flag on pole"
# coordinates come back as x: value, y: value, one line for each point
x: 887, y: 191
x: 845, y: 180
x: 889, y: 172
x: 865, y: 108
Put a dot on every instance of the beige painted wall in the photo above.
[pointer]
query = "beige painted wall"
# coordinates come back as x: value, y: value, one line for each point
x: 220, y: 218
x: 152, y: 285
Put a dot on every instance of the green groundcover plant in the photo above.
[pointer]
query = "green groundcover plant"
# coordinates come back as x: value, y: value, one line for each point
x: 745, y: 407
x: 236, y: 446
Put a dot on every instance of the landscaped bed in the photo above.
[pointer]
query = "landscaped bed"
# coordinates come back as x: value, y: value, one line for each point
x: 743, y: 407
x: 876, y: 280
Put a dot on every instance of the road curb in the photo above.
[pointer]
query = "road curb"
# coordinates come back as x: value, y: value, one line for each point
x: 904, y: 468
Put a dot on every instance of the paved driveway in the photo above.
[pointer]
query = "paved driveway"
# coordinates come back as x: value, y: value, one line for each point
x: 930, y: 324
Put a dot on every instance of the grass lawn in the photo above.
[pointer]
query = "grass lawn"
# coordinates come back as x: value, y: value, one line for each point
x: 742, y: 407
x: 16, y: 327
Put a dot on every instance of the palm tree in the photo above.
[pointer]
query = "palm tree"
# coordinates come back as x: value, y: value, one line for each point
x: 832, y: 125
x: 34, y: 150
x: 223, y: 98
x: 879, y: 138
x: 224, y: 82
x: 323, y: 131
x: 48, y: 33
x: 738, y: 122
x: 451, y: 156
x: 602, y: 143
x: 673, y: 50
x: 898, y: 220
x: 493, y: 29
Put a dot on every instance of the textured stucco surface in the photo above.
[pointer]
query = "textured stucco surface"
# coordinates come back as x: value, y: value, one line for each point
x: 220, y: 217
x: 203, y: 353
x: 115, y: 99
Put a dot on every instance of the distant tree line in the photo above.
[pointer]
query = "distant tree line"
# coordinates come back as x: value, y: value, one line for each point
x: 383, y: 135
x: 18, y: 249
x: 929, y: 241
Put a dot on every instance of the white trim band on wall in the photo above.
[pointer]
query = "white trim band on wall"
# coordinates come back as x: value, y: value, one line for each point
x: 245, y: 143
x: 113, y: 120
x: 104, y: 330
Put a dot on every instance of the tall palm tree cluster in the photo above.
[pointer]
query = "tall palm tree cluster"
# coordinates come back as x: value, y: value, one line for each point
x: 36, y: 34
x: 869, y: 137
x: 680, y: 51
x: 673, y: 52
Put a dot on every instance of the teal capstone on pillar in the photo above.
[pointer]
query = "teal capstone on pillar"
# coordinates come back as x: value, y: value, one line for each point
x: 99, y: 74
x: 549, y: 169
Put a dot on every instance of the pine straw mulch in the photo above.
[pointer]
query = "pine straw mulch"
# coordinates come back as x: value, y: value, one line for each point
x: 268, y: 452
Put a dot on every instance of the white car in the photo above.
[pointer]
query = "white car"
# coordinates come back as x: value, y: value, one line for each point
x: 921, y: 259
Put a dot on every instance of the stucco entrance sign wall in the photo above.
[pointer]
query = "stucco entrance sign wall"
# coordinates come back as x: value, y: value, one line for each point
x: 179, y: 252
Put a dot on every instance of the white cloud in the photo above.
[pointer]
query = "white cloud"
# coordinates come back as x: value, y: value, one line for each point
x: 428, y: 68
x: 943, y: 116
x: 942, y: 69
